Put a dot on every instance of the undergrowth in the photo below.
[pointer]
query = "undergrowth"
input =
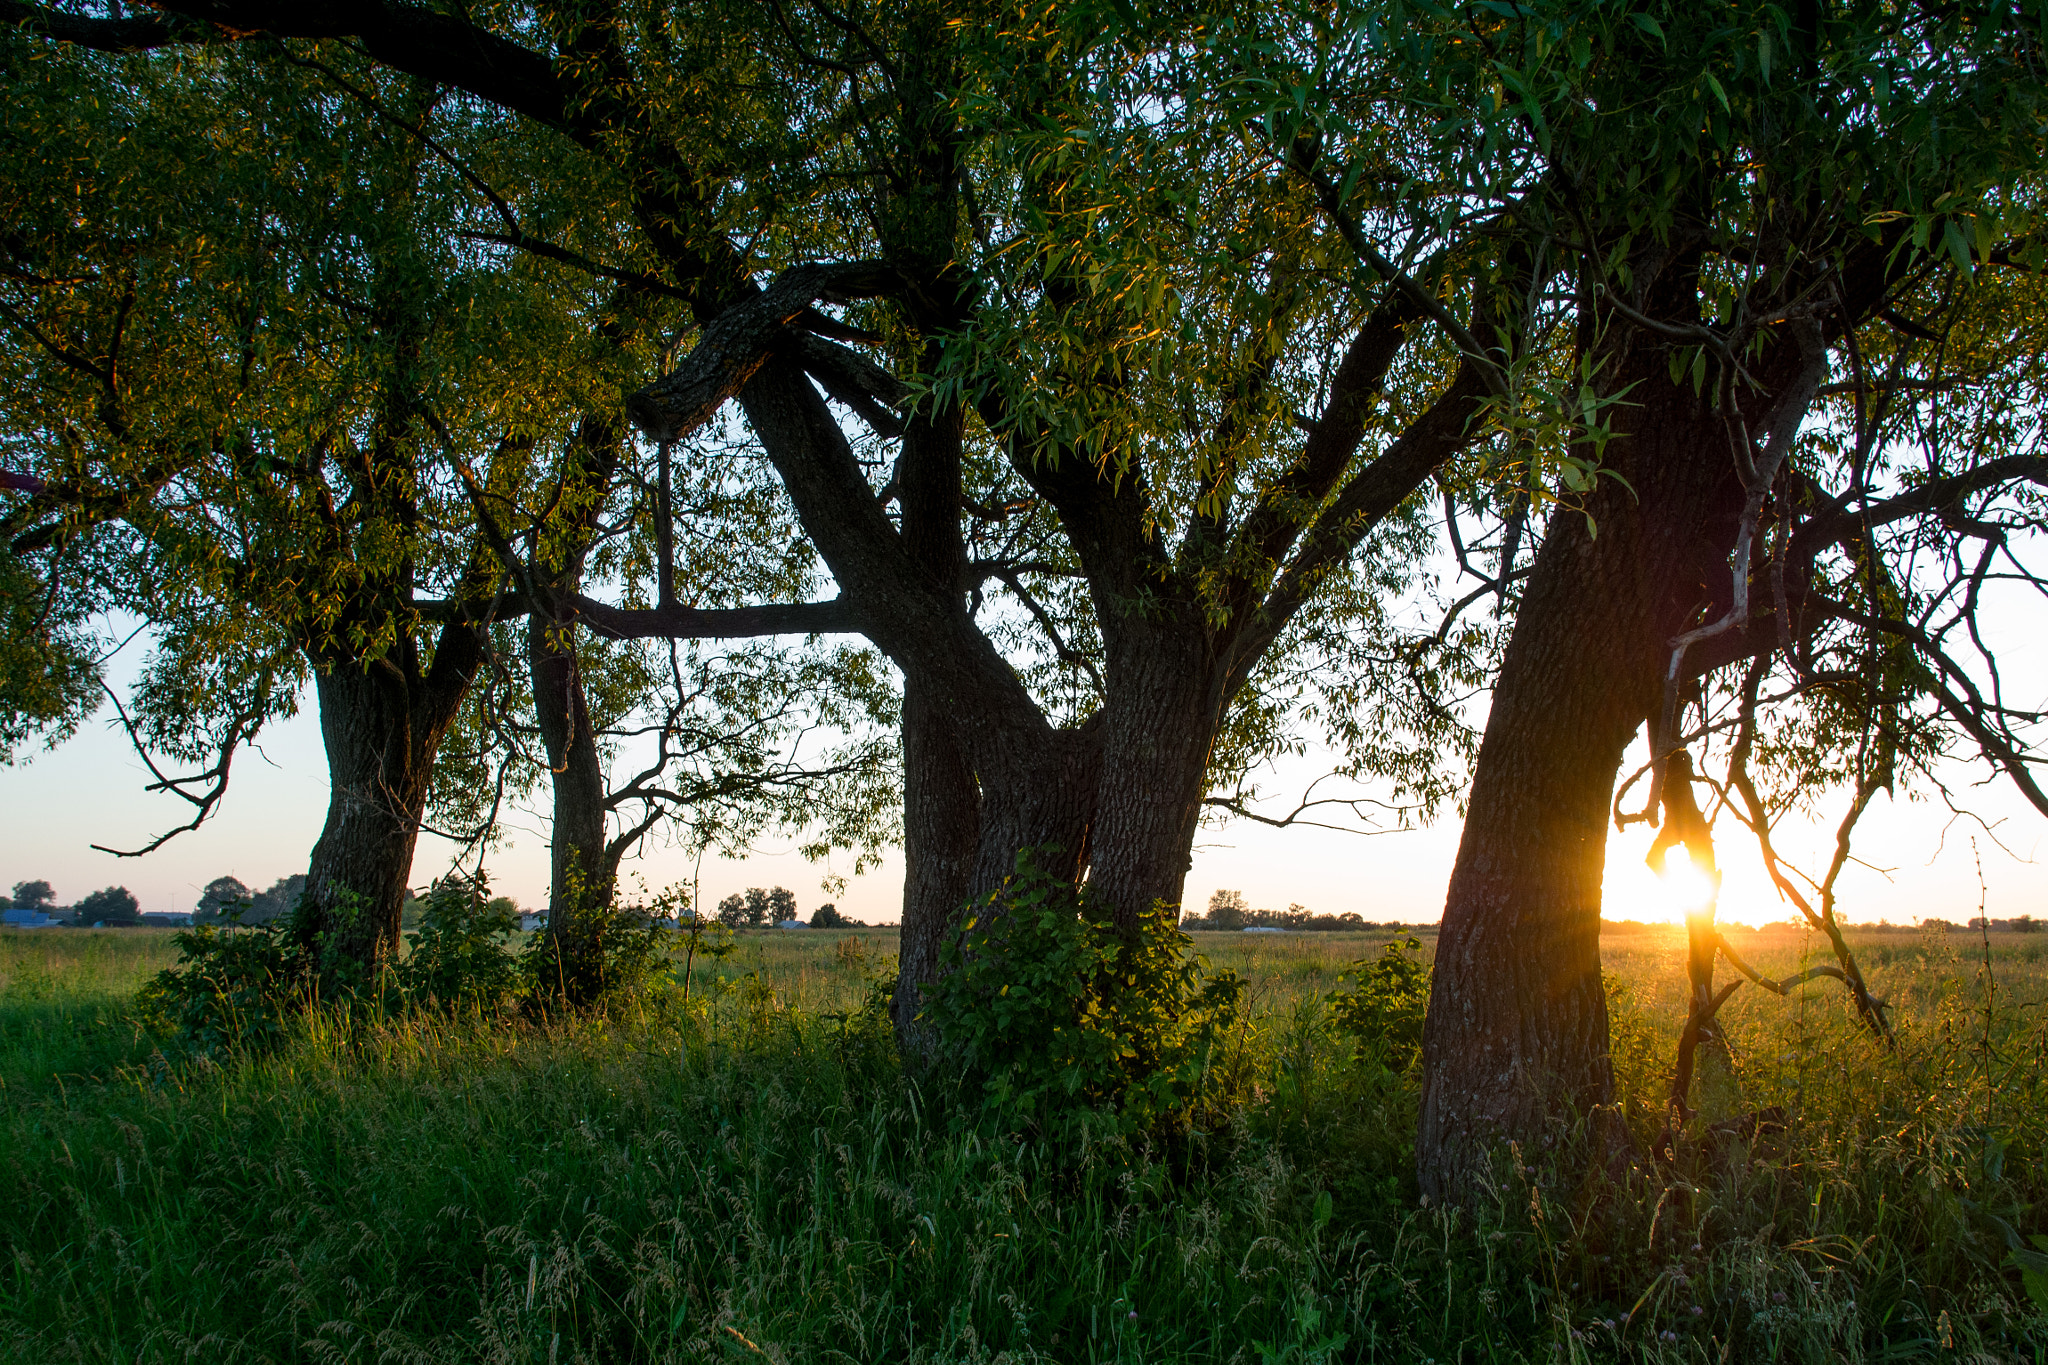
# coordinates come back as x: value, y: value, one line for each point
x: 749, y: 1174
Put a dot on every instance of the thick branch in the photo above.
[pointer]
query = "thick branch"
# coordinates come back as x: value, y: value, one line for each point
x: 739, y: 341
x: 1371, y: 496
x: 705, y: 623
x: 435, y: 47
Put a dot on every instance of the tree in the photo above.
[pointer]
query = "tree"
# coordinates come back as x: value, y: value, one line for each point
x: 827, y: 916
x: 281, y: 898
x: 36, y: 895
x: 223, y: 896
x: 1751, y: 229
x: 1101, y: 342
x: 114, y: 907
x: 273, y: 449
x: 732, y: 912
x: 1227, y: 910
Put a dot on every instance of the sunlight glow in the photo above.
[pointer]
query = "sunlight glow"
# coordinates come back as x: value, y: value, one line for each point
x: 1686, y: 883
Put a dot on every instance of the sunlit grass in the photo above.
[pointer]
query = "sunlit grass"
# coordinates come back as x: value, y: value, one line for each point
x: 753, y: 1177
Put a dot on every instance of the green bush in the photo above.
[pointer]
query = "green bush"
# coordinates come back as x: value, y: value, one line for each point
x: 235, y: 986
x: 632, y: 951
x: 1382, y: 1009
x: 460, y: 957
x: 1052, y: 1012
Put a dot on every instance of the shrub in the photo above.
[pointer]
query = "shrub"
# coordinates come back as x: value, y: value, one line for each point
x: 459, y: 957
x: 1050, y: 1010
x: 631, y: 955
x: 234, y: 987
x: 1382, y: 1010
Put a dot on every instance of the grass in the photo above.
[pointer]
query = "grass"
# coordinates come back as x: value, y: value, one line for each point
x: 751, y: 1177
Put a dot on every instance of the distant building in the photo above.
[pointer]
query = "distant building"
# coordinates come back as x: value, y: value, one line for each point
x: 791, y: 924
x: 532, y: 921
x: 1266, y: 929
x: 27, y: 919
x: 167, y: 919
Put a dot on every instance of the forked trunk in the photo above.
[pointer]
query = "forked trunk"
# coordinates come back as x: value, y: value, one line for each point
x: 1515, y: 1049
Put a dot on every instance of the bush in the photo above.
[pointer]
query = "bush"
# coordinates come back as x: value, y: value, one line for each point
x: 1382, y: 1010
x: 234, y: 987
x: 459, y: 957
x: 1050, y: 1010
x: 631, y: 955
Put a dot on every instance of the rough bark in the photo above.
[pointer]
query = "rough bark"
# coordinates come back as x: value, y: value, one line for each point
x: 941, y: 832
x: 382, y: 722
x: 1516, y: 1043
x: 582, y: 871
x: 1159, y: 727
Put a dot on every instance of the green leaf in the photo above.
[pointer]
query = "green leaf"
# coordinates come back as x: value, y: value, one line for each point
x: 1650, y: 26
x: 1958, y: 246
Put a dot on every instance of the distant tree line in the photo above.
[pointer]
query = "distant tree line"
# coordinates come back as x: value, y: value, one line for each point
x: 1228, y: 911
x: 115, y: 905
x: 760, y: 908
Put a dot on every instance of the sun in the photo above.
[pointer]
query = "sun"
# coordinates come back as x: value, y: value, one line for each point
x: 1686, y: 885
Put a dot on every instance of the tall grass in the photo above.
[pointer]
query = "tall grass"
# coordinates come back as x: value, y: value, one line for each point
x: 751, y: 1176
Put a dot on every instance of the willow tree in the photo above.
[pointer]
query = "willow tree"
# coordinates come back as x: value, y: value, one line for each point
x: 254, y: 401
x: 1086, y: 403
x: 1751, y: 211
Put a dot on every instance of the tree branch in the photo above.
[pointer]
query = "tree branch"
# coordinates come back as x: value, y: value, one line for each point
x: 835, y: 617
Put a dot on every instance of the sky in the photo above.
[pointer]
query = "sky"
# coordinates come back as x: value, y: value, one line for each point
x: 89, y: 790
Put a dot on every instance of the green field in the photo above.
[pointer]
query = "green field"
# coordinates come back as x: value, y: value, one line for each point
x: 750, y: 1176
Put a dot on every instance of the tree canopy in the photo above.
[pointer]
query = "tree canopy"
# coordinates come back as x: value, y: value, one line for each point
x: 1120, y: 374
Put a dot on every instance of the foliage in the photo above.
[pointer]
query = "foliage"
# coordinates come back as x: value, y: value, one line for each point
x: 241, y: 984
x: 1050, y: 1010
x: 460, y: 959
x: 1228, y: 910
x: 113, y: 905
x: 221, y: 896
x: 827, y: 916
x: 278, y: 899
x: 757, y: 908
x: 49, y: 665
x: 35, y: 895
x: 1381, y: 1012
x: 234, y: 987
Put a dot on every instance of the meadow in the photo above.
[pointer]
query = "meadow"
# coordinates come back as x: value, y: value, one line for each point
x: 747, y: 1174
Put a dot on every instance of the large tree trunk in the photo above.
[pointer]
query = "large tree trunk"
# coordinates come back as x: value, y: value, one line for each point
x: 582, y: 871
x: 1159, y: 728
x: 382, y: 723
x: 941, y: 832
x: 1516, y: 1043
